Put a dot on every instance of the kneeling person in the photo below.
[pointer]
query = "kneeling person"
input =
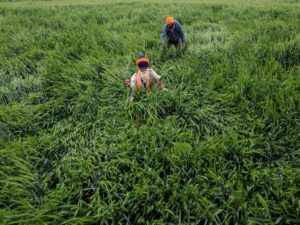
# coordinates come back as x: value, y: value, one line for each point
x: 145, y: 77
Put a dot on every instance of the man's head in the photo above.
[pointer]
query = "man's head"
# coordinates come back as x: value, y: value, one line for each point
x: 143, y: 69
x: 170, y: 21
x: 142, y: 62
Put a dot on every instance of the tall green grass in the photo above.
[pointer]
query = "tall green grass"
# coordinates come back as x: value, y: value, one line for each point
x: 220, y: 146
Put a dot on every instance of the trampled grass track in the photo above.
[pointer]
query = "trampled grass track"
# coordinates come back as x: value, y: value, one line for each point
x: 221, y: 146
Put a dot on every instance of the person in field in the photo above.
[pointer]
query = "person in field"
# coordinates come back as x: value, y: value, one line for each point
x: 145, y: 77
x: 172, y: 34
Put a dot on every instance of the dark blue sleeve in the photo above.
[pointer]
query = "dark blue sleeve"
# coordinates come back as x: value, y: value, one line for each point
x: 182, y: 35
x: 163, y: 35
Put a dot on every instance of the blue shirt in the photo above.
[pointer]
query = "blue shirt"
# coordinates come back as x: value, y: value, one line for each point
x: 174, y: 33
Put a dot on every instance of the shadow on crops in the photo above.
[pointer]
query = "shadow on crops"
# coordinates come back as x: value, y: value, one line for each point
x: 288, y: 55
x: 172, y: 53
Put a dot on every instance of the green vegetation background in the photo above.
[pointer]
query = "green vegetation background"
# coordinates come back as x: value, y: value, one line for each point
x: 221, y: 146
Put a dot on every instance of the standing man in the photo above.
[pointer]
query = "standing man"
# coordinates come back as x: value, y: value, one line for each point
x: 172, y: 33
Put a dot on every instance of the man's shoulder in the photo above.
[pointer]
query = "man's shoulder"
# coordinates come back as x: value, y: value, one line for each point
x: 177, y: 22
x: 150, y: 70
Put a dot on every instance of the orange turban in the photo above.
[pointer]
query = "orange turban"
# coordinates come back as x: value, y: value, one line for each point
x: 169, y: 20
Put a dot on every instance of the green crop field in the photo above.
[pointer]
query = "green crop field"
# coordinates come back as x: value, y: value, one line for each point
x: 220, y: 146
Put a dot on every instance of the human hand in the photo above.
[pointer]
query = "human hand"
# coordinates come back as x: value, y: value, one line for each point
x: 127, y: 83
x: 164, y: 44
x: 160, y: 84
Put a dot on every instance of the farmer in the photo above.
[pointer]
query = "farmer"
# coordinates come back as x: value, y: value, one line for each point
x: 145, y: 77
x: 172, y: 33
